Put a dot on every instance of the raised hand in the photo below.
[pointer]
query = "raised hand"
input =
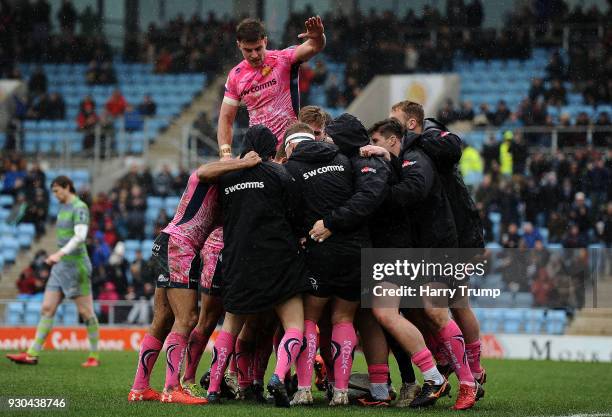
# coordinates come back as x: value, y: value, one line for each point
x: 314, y: 28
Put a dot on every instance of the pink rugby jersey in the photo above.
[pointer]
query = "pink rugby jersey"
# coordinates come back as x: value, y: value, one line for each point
x: 270, y: 92
x: 197, y: 215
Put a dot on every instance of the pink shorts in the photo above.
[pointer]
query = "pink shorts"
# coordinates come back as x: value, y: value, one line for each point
x: 210, y: 255
x: 177, y: 263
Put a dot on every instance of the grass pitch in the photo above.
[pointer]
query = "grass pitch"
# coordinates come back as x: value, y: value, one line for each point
x: 514, y: 388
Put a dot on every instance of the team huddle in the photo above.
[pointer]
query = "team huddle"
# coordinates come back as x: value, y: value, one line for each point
x: 271, y: 241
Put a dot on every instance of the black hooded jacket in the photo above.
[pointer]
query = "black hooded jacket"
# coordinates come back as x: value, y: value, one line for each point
x: 262, y: 266
x: 325, y: 180
x: 370, y: 175
x: 444, y: 148
x: 421, y: 196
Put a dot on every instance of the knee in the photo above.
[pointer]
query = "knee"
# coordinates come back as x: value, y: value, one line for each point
x: 162, y: 322
x: 437, y: 318
x: 188, y: 321
x: 48, y: 310
x: 384, y: 316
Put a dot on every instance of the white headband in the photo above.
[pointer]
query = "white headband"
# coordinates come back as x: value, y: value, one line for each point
x: 298, y: 137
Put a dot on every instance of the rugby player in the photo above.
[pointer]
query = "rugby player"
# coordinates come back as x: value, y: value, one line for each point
x: 176, y: 252
x: 266, y: 81
x: 262, y: 266
x: 70, y: 274
x: 337, y: 197
x: 444, y: 150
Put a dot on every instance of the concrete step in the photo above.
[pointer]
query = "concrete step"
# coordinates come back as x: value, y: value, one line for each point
x: 591, y: 326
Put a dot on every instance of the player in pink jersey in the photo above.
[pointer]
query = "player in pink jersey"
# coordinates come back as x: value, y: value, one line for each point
x: 266, y: 81
x: 176, y: 253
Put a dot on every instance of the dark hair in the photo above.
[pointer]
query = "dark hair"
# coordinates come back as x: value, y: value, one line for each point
x: 387, y: 127
x: 250, y: 30
x: 64, y: 182
x: 411, y: 109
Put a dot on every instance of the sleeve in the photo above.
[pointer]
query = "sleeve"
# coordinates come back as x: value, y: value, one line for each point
x: 81, y: 215
x: 443, y: 147
x: 416, y: 180
x: 288, y: 55
x: 370, y: 176
x: 80, y: 234
x: 231, y: 95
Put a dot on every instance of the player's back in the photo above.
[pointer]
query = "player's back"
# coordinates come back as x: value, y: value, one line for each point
x: 197, y: 214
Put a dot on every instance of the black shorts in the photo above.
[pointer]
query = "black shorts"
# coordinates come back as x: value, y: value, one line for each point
x: 334, y: 274
x: 176, y: 264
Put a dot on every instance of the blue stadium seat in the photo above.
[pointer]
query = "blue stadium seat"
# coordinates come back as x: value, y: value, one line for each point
x: 513, y: 320
x: 32, y: 312
x: 70, y: 314
x: 146, y: 247
x: 26, y: 229
x: 14, y: 313
x: 534, y: 320
x: 6, y: 201
x: 171, y: 204
x: 556, y: 321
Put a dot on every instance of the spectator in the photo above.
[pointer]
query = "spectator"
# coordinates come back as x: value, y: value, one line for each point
x: 163, y: 63
x: 556, y: 67
x: 518, y: 150
x: 574, y: 239
x: 163, y: 182
x: 87, y: 120
x: 32, y: 280
x: 531, y: 235
x: 466, y: 111
x: 502, y: 113
x: 161, y: 222
x: 471, y: 162
x: 537, y: 90
x: 557, y: 226
x: 56, y: 109
x: 603, y: 139
x: 148, y: 107
x: 557, y: 95
x: 67, y: 17
x: 108, y: 294
x: 133, y: 120
x: 38, y: 82
x: 117, y: 268
x: 14, y: 179
x: 90, y: 22
x: 447, y: 114
x: 116, y: 104
x: 490, y: 152
x: 100, y: 251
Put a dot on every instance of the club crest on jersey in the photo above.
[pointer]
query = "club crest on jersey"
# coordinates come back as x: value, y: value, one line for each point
x: 408, y: 163
x: 368, y: 169
x: 266, y: 70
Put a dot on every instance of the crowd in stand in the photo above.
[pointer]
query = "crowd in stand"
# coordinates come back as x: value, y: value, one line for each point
x: 186, y: 45
x: 569, y: 194
x: 27, y: 187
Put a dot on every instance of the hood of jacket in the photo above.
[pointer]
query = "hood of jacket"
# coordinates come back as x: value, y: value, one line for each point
x: 260, y: 139
x: 348, y: 133
x: 314, y: 151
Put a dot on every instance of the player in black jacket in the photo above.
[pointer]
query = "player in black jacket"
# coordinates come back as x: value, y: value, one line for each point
x: 262, y: 266
x: 443, y: 151
x: 326, y: 179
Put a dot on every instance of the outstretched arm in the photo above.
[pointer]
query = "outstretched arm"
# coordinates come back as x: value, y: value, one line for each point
x: 213, y: 170
x: 315, y: 40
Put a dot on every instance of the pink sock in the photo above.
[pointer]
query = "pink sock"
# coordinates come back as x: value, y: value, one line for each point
x: 244, y: 362
x: 222, y: 351
x: 149, y: 350
x: 378, y: 374
x: 263, y: 351
x: 472, y: 351
x: 325, y: 348
x: 435, y: 346
x: 176, y: 344
x: 288, y: 351
x: 305, y: 360
x: 195, y: 346
x: 452, y: 338
x: 423, y: 360
x: 344, y: 342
